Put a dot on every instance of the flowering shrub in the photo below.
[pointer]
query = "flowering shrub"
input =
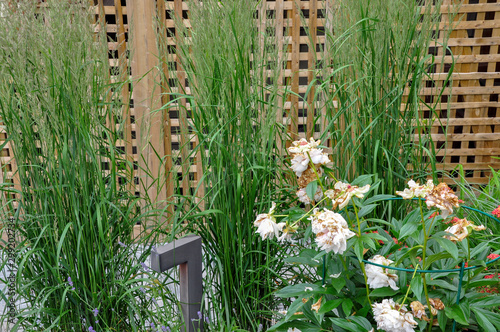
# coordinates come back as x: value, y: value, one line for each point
x: 425, y: 272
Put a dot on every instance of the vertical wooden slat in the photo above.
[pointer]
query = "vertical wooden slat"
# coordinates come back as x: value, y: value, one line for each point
x: 313, y: 15
x: 183, y: 122
x: 446, y: 17
x: 165, y: 98
x: 279, y: 10
x: 328, y: 8
x: 494, y: 49
x: 149, y: 125
x: 125, y: 93
x: 293, y: 127
x: 480, y: 111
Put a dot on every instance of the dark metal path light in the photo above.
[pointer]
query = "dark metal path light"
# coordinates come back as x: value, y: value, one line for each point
x: 185, y: 252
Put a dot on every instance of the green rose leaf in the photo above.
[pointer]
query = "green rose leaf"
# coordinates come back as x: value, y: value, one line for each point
x: 311, y: 189
x: 330, y: 305
x: 417, y: 287
x: 383, y: 292
x: 457, y: 313
x: 448, y: 245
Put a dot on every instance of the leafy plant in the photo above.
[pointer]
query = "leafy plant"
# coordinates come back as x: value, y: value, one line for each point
x: 418, y: 273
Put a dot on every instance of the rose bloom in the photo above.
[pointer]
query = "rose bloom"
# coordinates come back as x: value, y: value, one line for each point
x: 331, y: 229
x: 303, y: 146
x: 343, y: 192
x: 302, y: 195
x: 299, y: 164
x: 379, y: 277
x: 286, y: 235
x: 416, y: 190
x: 392, y: 317
x: 443, y: 198
x: 460, y: 230
x: 266, y: 224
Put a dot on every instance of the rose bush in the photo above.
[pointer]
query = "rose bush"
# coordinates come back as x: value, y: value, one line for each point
x: 363, y: 273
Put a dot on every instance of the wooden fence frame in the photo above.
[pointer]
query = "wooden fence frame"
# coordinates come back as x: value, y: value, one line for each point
x: 469, y: 106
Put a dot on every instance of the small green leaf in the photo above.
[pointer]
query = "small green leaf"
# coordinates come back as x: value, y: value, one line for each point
x: 294, y: 307
x: 436, y: 257
x: 299, y: 290
x: 483, y: 321
x: 362, y: 321
x: 449, y: 246
x: 487, y: 302
x: 358, y: 248
x: 368, y: 241
x: 455, y: 312
x: 311, y: 189
x: 383, y: 292
x: 493, y: 317
x: 407, y: 229
x: 330, y: 305
x: 440, y: 283
x: 480, y: 248
x: 376, y: 236
x: 347, y: 306
x: 362, y: 180
x: 442, y: 320
x: 338, y: 283
x: 366, y: 210
x: 378, y: 198
x: 346, y: 324
x: 417, y: 287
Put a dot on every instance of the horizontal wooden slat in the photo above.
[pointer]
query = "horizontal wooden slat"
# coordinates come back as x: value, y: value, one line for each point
x: 464, y: 137
x: 467, y: 8
x: 468, y: 121
x: 470, y: 152
x: 467, y: 42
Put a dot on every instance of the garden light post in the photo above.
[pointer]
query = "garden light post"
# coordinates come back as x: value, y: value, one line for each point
x: 185, y: 252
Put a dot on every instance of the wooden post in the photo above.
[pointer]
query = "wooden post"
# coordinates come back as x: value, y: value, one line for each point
x: 146, y: 96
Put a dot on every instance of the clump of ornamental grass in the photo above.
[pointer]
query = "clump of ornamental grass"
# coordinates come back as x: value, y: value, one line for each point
x: 232, y: 113
x: 374, y: 62
x: 78, y: 265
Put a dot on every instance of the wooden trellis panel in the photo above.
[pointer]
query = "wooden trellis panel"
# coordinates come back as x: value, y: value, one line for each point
x: 473, y: 120
x: 473, y: 123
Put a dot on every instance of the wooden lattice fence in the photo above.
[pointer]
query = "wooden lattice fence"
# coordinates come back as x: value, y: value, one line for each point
x: 469, y: 105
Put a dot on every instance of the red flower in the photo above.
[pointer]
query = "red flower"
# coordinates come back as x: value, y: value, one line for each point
x: 496, y: 212
x: 434, y: 214
x: 493, y: 256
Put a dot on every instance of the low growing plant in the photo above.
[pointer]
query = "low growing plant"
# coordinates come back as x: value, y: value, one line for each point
x: 421, y: 273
